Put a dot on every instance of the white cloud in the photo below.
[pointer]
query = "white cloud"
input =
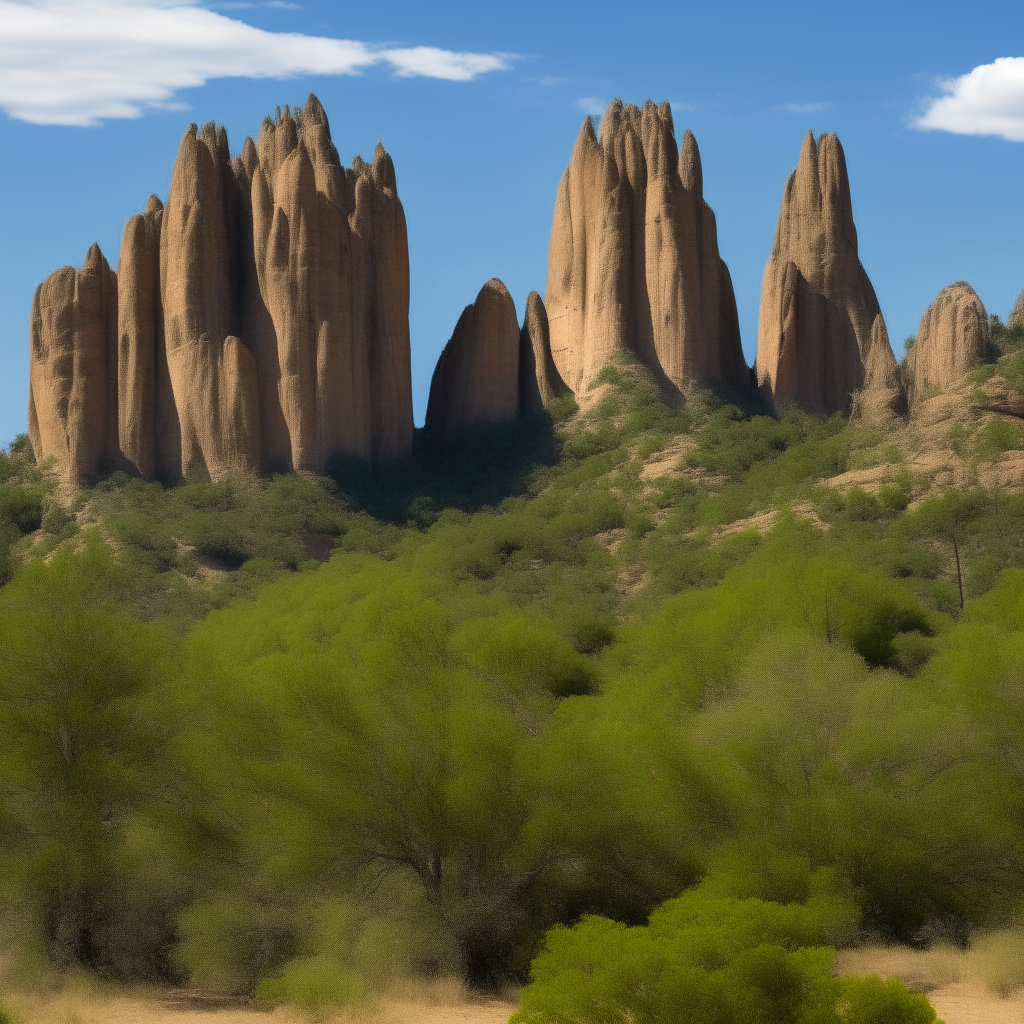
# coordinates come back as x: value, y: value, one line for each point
x: 680, y: 108
x: 591, y: 105
x: 986, y: 101
x: 803, y: 108
x: 74, y: 62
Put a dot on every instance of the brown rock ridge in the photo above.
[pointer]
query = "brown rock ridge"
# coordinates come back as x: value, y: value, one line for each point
x: 72, y: 410
x: 1016, y: 316
x: 539, y: 381
x: 477, y: 376
x: 821, y: 339
x: 952, y: 338
x: 633, y: 262
x: 262, y: 321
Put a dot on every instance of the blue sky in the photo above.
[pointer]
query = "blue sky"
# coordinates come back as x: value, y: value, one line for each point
x: 479, y: 104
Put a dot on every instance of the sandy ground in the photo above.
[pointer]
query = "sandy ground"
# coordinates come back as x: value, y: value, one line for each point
x: 953, y: 981
x: 83, y: 1008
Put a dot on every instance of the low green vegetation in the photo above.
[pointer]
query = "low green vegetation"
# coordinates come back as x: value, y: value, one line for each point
x: 627, y: 702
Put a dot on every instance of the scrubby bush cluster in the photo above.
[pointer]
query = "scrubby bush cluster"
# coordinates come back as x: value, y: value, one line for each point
x: 533, y: 686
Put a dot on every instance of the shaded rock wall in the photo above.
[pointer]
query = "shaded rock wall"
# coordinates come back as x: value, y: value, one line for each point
x: 72, y: 413
x: 1016, y: 316
x: 539, y: 380
x: 262, y: 320
x: 633, y: 262
x: 477, y: 376
x: 952, y: 338
x: 821, y: 340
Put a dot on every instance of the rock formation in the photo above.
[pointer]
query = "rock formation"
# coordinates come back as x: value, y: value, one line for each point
x: 1016, y: 317
x: 633, y: 261
x: 539, y: 381
x: 262, y: 321
x: 952, y: 338
x: 72, y: 413
x: 477, y: 377
x: 821, y: 339
x: 148, y: 427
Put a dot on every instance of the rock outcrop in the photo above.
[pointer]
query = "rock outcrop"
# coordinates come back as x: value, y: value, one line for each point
x: 952, y: 338
x: 821, y: 339
x: 72, y: 413
x: 148, y: 427
x: 1016, y: 317
x: 262, y: 321
x: 477, y: 376
x: 539, y: 381
x: 633, y: 262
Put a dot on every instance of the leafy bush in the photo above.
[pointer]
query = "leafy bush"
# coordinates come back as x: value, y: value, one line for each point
x: 705, y: 957
x: 23, y: 506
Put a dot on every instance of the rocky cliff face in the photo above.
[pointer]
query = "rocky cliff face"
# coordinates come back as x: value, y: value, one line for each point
x: 821, y: 340
x: 1016, y: 316
x: 539, y: 381
x: 952, y: 337
x: 477, y: 377
x: 72, y: 413
x: 262, y: 319
x: 633, y: 261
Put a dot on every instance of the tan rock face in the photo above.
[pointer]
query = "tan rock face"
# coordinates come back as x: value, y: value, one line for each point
x: 477, y: 377
x: 633, y: 262
x: 1016, y: 317
x: 73, y: 370
x: 818, y: 343
x: 952, y: 338
x: 539, y: 381
x: 333, y: 267
x: 263, y: 321
x: 150, y: 434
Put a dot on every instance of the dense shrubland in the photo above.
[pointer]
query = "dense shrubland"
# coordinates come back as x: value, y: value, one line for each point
x: 533, y: 688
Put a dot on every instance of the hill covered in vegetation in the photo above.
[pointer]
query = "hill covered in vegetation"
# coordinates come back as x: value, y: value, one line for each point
x: 298, y: 736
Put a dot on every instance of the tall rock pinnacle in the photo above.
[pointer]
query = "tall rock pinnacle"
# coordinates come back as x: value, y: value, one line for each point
x: 821, y: 339
x: 952, y: 338
x: 72, y: 412
x: 539, y: 381
x: 633, y: 262
x: 262, y: 321
x: 1016, y: 317
x: 477, y: 377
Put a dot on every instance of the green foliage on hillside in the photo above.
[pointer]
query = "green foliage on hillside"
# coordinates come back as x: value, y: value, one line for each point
x: 538, y: 682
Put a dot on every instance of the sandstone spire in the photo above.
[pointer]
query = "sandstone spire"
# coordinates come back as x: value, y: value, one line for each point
x: 1016, y: 316
x: 952, y: 337
x: 539, y: 380
x: 633, y: 261
x: 332, y: 263
x: 213, y: 375
x: 817, y: 330
x: 73, y: 369
x: 477, y: 377
x: 150, y: 435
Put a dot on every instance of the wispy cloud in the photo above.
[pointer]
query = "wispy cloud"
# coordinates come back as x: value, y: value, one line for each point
x: 591, y: 105
x: 986, y: 101
x: 803, y: 108
x: 75, y: 62
x: 680, y: 108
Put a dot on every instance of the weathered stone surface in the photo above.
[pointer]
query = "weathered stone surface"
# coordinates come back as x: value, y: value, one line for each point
x: 150, y: 434
x: 539, y: 381
x: 213, y: 375
x: 1016, y: 317
x: 73, y: 370
x: 477, y: 377
x: 817, y: 335
x: 952, y: 338
x: 633, y: 261
x: 333, y: 269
